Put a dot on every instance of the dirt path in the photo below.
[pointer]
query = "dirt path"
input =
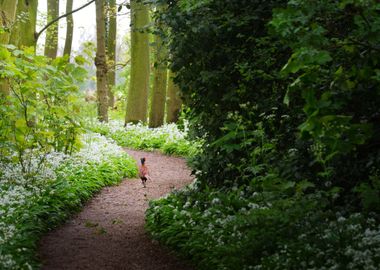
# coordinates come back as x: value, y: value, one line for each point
x: 109, y: 232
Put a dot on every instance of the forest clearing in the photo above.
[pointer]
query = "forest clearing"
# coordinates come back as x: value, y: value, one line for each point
x: 258, y: 121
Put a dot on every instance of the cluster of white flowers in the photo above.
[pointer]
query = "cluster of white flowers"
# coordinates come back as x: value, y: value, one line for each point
x: 141, y: 136
x: 97, y: 148
x: 35, y: 164
x: 170, y: 130
x: 21, y: 188
x: 218, y: 221
x: 7, y: 261
x: 341, y: 238
x: 352, y: 238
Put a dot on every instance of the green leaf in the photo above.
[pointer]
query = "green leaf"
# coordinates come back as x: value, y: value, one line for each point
x: 20, y: 123
x: 80, y: 60
x: 286, y: 98
x: 9, y: 46
x: 304, y: 185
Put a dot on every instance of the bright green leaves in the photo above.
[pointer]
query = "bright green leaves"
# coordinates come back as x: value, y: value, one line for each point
x: 4, y: 53
x: 80, y: 60
x: 41, y: 111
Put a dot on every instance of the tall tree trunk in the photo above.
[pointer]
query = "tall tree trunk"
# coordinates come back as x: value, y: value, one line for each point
x: 23, y: 33
x: 7, y: 18
x: 157, y: 110
x: 69, y: 29
x: 137, y: 100
x: 101, y: 63
x: 111, y: 48
x: 51, y: 41
x: 174, y: 102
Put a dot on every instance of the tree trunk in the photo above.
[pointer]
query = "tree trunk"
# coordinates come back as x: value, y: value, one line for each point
x: 7, y: 18
x: 111, y: 48
x: 174, y: 102
x: 69, y: 29
x: 23, y: 33
x: 157, y: 110
x: 137, y: 100
x: 101, y: 63
x: 51, y: 41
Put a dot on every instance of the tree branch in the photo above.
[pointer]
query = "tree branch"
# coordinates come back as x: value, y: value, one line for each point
x: 37, y: 35
x: 120, y: 65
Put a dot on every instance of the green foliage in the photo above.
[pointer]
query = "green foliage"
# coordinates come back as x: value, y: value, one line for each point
x: 167, y: 138
x: 334, y: 65
x: 41, y: 111
x: 244, y: 229
x: 48, y: 203
x: 296, y: 93
x: 228, y: 72
x: 285, y: 95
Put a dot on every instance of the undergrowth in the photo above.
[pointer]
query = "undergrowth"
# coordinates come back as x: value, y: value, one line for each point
x: 31, y: 205
x: 244, y: 229
x: 168, y: 139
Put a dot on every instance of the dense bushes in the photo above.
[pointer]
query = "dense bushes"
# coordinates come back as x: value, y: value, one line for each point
x: 227, y: 67
x: 285, y: 94
x: 29, y: 206
x: 333, y: 66
x: 168, y: 138
x: 243, y: 229
x: 263, y: 87
x: 39, y: 105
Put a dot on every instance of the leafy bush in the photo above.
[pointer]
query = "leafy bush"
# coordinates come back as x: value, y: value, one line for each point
x: 244, y: 229
x: 228, y: 72
x: 306, y: 73
x: 39, y: 108
x: 334, y: 68
x: 29, y: 206
x: 167, y: 138
x: 286, y: 95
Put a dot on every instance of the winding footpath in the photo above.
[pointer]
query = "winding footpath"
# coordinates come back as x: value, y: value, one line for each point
x: 109, y: 232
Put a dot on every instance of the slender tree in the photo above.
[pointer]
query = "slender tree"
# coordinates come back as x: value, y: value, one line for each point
x: 157, y: 110
x: 111, y: 48
x: 7, y: 18
x: 23, y: 33
x: 51, y: 41
x: 69, y: 28
x: 173, y: 101
x: 50, y: 23
x: 101, y: 63
x: 137, y: 99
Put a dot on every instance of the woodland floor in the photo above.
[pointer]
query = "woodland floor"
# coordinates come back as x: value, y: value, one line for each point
x: 109, y: 232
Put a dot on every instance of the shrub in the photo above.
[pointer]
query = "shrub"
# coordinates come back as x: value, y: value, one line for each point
x: 41, y: 110
x: 244, y: 229
x: 286, y: 94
